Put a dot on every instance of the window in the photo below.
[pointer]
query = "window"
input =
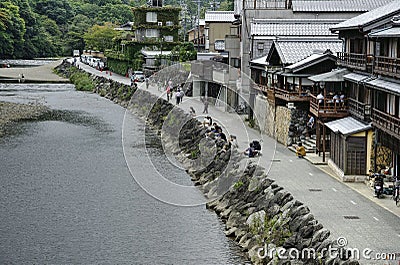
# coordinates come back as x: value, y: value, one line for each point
x: 151, y: 17
x: 235, y: 62
x: 219, y: 45
x: 391, y: 104
x: 151, y: 33
x: 398, y: 47
x: 260, y: 46
x: 169, y: 38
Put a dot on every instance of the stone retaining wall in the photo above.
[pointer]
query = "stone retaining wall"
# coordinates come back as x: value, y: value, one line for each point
x: 257, y: 212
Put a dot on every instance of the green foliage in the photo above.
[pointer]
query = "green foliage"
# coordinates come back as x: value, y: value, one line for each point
x: 185, y: 52
x: 14, y: 29
x: 100, y: 37
x: 194, y: 154
x: 238, y: 184
x: 81, y: 80
x: 275, y: 230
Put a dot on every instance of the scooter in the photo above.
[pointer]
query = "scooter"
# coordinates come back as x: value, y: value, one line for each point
x: 378, y: 185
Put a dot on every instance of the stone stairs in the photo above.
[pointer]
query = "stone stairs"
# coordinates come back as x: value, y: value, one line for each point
x: 310, y: 144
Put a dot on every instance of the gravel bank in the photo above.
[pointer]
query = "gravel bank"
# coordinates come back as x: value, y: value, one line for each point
x: 13, y: 112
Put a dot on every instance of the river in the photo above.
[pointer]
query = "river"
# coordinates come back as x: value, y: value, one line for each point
x: 68, y: 197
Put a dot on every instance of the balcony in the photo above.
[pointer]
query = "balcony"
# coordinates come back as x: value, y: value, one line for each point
x: 355, y: 60
x: 386, y: 122
x: 327, y: 108
x: 388, y: 66
x: 293, y: 95
x: 359, y: 109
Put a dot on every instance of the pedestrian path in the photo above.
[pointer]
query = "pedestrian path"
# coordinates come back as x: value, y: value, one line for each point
x: 346, y: 209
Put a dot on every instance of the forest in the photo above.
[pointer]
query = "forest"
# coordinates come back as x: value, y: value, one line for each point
x: 52, y: 28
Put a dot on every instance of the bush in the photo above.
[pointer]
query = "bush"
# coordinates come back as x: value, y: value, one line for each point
x: 82, y: 81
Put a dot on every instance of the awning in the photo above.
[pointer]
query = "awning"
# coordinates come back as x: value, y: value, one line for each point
x: 347, y: 126
x: 333, y: 76
x: 355, y: 77
x: 384, y: 85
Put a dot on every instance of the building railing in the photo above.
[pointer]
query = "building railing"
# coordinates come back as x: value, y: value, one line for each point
x: 386, y: 122
x: 355, y: 60
x: 291, y: 95
x: 387, y: 66
x: 359, y: 109
x: 328, y: 107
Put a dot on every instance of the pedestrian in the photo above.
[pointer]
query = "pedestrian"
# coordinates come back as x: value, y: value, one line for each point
x: 178, y: 97
x: 233, y: 141
x: 168, y: 93
x: 205, y: 102
x: 147, y: 83
x: 192, y: 111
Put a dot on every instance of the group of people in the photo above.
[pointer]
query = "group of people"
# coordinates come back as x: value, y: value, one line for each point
x: 334, y: 98
x: 214, y: 131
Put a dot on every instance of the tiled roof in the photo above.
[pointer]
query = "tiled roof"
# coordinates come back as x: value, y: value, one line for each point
x: 385, y: 85
x: 294, y: 51
x: 391, y: 32
x: 355, y: 77
x: 261, y: 60
x: 219, y: 16
x: 337, y: 5
x: 310, y: 59
x: 332, y: 76
x: 390, y: 9
x: 347, y: 126
x: 292, y: 27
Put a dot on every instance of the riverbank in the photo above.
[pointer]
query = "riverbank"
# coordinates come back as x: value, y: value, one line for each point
x: 258, y: 213
x: 14, y: 112
x: 37, y: 74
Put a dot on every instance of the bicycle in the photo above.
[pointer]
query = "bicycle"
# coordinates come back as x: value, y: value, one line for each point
x: 396, y: 191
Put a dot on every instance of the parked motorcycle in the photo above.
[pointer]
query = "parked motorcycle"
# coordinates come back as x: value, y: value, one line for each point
x: 378, y: 185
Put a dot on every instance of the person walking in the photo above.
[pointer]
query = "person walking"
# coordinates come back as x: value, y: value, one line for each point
x: 205, y: 110
x: 168, y: 93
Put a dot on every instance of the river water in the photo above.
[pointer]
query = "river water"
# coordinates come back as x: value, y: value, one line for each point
x: 68, y: 197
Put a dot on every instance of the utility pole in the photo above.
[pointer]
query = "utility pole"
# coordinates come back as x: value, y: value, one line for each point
x: 198, y: 24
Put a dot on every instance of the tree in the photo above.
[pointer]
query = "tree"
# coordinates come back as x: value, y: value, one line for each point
x: 185, y: 52
x: 3, y: 18
x: 100, y: 37
x: 116, y: 14
x: 11, y: 37
x: 57, y: 10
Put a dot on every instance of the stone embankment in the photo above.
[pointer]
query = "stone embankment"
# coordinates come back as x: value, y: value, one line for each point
x: 14, y: 112
x: 269, y: 224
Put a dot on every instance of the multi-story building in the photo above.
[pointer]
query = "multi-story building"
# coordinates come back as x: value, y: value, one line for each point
x: 372, y: 54
x: 253, y: 45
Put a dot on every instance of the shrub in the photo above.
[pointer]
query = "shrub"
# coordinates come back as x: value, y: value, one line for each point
x: 82, y: 81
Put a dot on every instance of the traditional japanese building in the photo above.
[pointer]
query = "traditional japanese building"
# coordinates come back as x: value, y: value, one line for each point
x: 372, y: 54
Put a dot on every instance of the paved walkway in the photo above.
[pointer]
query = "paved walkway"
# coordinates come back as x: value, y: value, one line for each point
x: 346, y: 209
